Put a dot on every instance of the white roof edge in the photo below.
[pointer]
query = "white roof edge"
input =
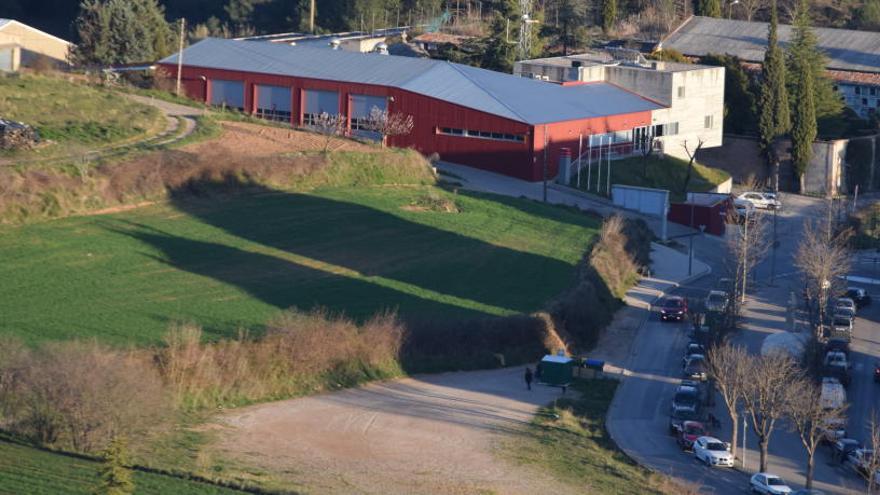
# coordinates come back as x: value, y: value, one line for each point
x: 11, y: 21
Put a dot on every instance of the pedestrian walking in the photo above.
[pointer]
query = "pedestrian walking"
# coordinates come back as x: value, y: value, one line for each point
x: 529, y: 378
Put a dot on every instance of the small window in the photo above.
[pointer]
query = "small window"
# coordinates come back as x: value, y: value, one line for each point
x: 672, y: 129
x: 681, y: 91
x: 858, y: 90
x: 707, y: 122
x: 873, y: 91
x: 864, y: 101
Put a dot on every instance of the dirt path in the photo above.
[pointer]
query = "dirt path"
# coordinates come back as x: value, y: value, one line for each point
x: 437, y: 434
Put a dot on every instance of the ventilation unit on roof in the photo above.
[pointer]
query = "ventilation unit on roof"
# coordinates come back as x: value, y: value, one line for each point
x: 627, y: 56
x: 576, y: 63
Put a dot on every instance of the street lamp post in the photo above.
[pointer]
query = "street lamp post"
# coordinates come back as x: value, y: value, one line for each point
x: 775, y: 245
x: 730, y: 7
x: 745, y: 422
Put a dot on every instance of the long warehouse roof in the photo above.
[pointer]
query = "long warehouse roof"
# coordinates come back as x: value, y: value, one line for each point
x: 505, y: 95
x: 846, y: 49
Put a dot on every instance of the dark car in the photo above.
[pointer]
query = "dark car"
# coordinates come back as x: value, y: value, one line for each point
x: 677, y: 419
x: 695, y: 368
x: 839, y: 371
x: 674, y: 308
x: 692, y: 349
x: 839, y: 345
x: 687, y: 397
x: 860, y: 296
x: 841, y: 448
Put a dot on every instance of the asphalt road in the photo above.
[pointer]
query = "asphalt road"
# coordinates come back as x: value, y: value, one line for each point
x: 640, y: 418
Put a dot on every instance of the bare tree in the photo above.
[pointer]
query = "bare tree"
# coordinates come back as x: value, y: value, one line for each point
x: 747, y: 245
x: 389, y: 124
x: 873, y: 462
x: 810, y: 417
x: 749, y: 7
x: 691, y: 157
x: 330, y: 125
x: 823, y: 257
x: 727, y: 365
x: 766, y: 391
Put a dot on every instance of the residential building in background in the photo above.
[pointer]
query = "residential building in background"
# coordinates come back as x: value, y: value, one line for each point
x: 690, y: 97
x: 22, y: 45
x: 485, y: 119
x: 853, y: 56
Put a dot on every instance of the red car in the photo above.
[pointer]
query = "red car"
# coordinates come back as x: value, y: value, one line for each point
x: 674, y: 308
x: 690, y: 432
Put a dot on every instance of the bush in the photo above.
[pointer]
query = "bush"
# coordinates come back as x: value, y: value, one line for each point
x: 77, y: 395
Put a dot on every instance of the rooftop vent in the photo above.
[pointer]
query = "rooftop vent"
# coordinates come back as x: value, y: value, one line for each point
x: 576, y: 63
x: 628, y: 56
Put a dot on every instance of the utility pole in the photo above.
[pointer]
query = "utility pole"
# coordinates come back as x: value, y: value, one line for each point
x: 745, y: 241
x: 180, y: 55
x: 691, y: 245
x: 773, y: 256
x: 312, y: 17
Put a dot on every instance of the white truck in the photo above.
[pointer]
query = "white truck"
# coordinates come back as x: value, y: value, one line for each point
x: 833, y: 397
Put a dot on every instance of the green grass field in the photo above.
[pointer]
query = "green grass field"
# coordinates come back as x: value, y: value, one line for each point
x: 27, y: 470
x: 569, y: 439
x: 660, y: 173
x: 234, y: 263
x: 73, y: 114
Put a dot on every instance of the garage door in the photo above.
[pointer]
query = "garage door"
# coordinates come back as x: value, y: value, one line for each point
x: 273, y: 102
x: 228, y: 93
x: 361, y: 106
x: 6, y: 59
x: 318, y: 102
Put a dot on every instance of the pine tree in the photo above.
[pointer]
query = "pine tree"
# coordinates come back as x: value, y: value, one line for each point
x: 804, y: 76
x: 609, y: 15
x: 121, y: 32
x: 710, y: 8
x: 114, y: 472
x: 774, y: 120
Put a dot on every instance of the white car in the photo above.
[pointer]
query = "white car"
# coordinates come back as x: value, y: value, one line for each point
x: 769, y: 484
x: 765, y: 201
x: 716, y: 301
x: 713, y: 452
x: 846, y: 303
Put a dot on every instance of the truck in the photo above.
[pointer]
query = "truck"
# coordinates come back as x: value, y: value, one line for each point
x: 833, y: 396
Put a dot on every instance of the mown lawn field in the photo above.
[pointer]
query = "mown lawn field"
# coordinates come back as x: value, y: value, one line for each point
x: 74, y: 116
x: 27, y: 470
x: 233, y: 263
x: 660, y: 173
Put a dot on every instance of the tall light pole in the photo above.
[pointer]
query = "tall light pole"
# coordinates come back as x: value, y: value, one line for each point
x: 775, y: 245
x: 730, y: 7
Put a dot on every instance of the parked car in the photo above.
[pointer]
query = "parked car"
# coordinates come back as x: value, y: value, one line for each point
x: 838, y: 345
x: 692, y: 349
x: 744, y: 210
x: 860, y: 461
x: 716, y: 301
x: 860, y: 296
x: 674, y: 308
x: 695, y: 368
x: 690, y: 432
x: 713, y: 452
x: 770, y: 484
x: 811, y: 491
x: 677, y: 420
x: 845, y: 302
x: 842, y: 447
x: 847, y: 313
x: 841, y: 325
x: 760, y: 200
x: 836, y: 358
x: 686, y: 397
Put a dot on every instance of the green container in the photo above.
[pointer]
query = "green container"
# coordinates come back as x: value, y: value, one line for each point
x: 557, y: 370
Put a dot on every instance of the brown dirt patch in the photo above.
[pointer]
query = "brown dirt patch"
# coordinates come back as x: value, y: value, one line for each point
x: 243, y: 139
x: 437, y: 434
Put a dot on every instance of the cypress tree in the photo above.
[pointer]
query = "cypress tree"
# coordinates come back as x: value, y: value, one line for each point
x: 114, y: 472
x: 609, y: 15
x: 774, y: 120
x: 710, y: 8
x: 803, y: 73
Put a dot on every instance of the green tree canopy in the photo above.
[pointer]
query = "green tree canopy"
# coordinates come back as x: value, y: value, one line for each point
x: 710, y: 8
x: 121, y: 32
x: 774, y: 120
x: 804, y: 76
x: 739, y: 99
x: 609, y: 14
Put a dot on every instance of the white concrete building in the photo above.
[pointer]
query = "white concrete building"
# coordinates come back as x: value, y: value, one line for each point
x: 692, y: 96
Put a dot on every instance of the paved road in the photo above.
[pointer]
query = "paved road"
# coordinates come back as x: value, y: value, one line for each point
x: 639, y: 418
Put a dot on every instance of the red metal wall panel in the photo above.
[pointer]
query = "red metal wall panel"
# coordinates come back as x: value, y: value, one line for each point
x: 518, y: 159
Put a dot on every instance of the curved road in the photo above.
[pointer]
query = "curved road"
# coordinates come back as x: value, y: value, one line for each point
x: 639, y: 416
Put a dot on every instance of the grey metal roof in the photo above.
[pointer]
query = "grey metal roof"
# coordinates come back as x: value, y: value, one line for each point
x: 505, y: 95
x: 846, y: 49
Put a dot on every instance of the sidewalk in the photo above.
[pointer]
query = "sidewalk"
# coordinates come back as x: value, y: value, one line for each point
x: 669, y: 270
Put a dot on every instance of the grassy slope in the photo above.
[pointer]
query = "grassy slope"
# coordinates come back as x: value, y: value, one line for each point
x: 574, y: 445
x: 237, y: 262
x: 665, y: 173
x: 73, y: 114
x: 28, y: 470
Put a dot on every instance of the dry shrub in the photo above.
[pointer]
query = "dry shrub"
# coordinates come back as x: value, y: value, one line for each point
x: 79, y: 395
x: 300, y: 352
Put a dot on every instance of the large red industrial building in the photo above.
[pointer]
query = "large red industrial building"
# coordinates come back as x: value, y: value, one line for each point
x: 466, y: 115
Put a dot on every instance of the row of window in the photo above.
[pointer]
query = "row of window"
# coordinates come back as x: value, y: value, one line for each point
x: 498, y: 136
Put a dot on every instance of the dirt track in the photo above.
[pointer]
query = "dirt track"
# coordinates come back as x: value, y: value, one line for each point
x: 432, y: 434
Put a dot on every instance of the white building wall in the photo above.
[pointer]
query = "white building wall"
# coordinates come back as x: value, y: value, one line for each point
x: 699, y: 112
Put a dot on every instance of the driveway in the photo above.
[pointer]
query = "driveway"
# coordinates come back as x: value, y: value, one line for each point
x: 428, y: 434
